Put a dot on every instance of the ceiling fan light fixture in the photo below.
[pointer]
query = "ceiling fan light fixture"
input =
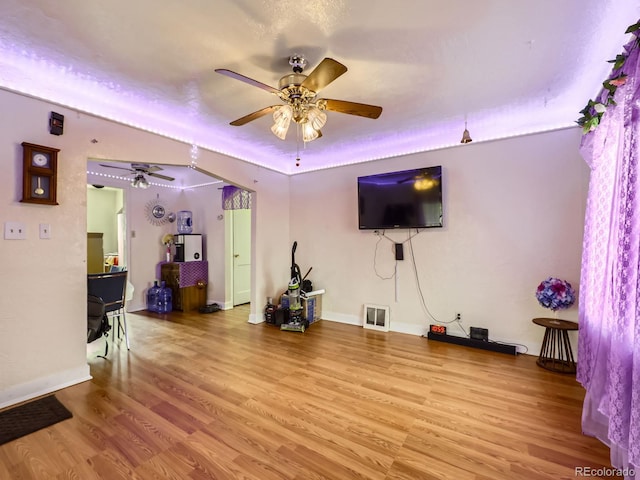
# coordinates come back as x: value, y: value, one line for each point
x: 282, y: 118
x: 280, y: 130
x: 309, y: 133
x: 140, y: 182
x: 316, y: 117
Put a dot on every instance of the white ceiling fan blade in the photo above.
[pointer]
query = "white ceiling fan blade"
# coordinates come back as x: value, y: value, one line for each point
x: 164, y: 177
x: 119, y: 168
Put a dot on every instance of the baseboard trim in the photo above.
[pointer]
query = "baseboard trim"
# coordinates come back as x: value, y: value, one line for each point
x: 408, y: 328
x: 44, y: 385
x: 224, y: 305
x: 342, y: 318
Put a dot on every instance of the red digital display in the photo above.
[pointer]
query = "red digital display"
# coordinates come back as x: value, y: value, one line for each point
x: 438, y: 329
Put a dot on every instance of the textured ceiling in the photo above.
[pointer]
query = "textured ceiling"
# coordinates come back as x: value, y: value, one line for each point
x: 507, y: 67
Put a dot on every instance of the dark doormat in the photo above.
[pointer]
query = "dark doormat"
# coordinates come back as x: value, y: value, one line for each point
x: 31, y: 417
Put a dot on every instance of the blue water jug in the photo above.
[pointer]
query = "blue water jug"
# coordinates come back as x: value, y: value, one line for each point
x: 152, y: 297
x: 165, y: 304
x: 185, y: 225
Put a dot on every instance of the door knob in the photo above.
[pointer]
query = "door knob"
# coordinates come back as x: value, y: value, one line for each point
x: 236, y: 255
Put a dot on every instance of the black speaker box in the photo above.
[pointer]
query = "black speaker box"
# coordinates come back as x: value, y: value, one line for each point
x: 479, y: 334
x: 56, y: 123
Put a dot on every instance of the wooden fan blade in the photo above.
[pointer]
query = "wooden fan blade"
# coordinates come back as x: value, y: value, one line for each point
x: 157, y: 175
x: 353, y: 108
x: 253, y: 116
x: 324, y: 74
x: 248, y: 80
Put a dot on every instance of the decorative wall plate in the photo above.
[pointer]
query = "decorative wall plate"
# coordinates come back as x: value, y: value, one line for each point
x: 157, y: 212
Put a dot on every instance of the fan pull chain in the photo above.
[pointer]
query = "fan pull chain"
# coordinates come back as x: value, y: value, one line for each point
x: 297, y: 144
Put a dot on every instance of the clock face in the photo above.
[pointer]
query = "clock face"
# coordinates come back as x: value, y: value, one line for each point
x: 40, y: 160
x: 438, y: 329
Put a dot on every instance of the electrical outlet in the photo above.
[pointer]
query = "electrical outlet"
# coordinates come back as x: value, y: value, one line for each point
x: 458, y: 316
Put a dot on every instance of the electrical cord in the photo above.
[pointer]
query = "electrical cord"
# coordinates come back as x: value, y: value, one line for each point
x: 423, y: 302
x: 458, y: 322
x: 375, y: 256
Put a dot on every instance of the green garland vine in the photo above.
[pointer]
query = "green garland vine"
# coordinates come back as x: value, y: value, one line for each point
x: 593, y: 111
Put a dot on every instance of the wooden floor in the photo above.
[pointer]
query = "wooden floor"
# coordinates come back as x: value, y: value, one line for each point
x: 209, y: 396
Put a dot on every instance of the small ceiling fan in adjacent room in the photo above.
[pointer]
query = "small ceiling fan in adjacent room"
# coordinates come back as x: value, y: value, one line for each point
x: 139, y: 170
x: 298, y: 92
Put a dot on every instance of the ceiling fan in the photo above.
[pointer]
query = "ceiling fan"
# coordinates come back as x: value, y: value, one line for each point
x: 299, y: 92
x: 140, y: 170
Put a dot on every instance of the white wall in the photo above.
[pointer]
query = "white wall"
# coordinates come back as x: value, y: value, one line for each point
x: 206, y: 205
x: 101, y: 216
x: 42, y: 343
x: 513, y: 214
x: 146, y: 250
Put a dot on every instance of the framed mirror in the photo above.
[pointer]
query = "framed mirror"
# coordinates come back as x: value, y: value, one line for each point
x: 158, y: 211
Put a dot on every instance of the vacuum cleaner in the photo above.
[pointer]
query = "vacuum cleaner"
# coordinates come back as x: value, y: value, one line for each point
x: 295, y: 323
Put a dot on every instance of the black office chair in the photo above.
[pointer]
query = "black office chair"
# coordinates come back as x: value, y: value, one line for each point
x: 97, y: 322
x: 111, y: 288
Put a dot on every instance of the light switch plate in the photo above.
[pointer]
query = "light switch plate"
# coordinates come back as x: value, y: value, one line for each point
x: 14, y: 231
x: 45, y: 231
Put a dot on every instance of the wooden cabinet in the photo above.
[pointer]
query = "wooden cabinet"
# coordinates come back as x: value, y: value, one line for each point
x: 95, y: 253
x: 188, y: 282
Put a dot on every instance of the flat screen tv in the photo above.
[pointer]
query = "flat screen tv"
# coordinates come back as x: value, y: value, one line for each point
x: 406, y: 199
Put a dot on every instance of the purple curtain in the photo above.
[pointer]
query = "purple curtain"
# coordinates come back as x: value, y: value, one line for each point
x: 609, y: 307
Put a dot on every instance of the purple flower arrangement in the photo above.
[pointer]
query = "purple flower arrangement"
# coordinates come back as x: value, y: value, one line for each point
x: 555, y: 294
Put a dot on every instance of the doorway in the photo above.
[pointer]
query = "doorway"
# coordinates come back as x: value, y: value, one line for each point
x: 106, y: 244
x: 219, y: 245
x: 241, y: 255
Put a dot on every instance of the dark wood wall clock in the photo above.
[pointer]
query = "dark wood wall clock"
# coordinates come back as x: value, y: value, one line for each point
x: 39, y: 174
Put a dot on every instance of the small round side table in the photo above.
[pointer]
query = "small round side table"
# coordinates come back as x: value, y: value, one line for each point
x: 556, y: 354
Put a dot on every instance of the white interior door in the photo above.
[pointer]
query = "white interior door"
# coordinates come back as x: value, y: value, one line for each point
x: 241, y: 256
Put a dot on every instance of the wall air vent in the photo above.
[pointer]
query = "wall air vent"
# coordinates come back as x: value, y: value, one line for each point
x: 376, y: 317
